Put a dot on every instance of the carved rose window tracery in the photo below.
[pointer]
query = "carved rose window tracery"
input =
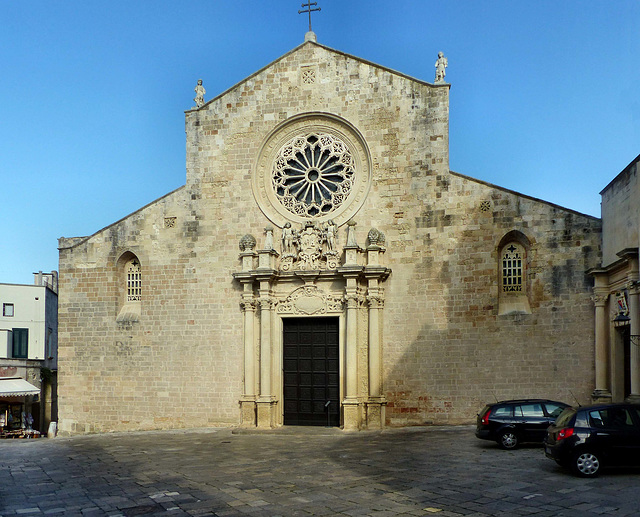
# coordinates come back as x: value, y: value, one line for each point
x: 313, y: 175
x: 313, y: 167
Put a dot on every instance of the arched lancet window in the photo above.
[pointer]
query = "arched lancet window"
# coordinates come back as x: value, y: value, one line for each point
x: 512, y: 256
x: 134, y: 281
x: 512, y: 268
x: 129, y: 278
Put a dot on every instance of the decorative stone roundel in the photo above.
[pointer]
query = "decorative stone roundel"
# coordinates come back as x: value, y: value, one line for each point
x: 312, y: 167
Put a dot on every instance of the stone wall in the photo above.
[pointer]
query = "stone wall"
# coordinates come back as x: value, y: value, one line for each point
x: 620, y: 214
x: 447, y: 350
x: 179, y: 366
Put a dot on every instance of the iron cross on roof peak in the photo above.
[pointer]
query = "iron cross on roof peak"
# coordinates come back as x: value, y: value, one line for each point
x: 309, y: 10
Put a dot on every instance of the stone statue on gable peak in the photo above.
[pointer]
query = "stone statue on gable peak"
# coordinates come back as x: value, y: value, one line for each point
x: 200, y: 91
x: 441, y: 64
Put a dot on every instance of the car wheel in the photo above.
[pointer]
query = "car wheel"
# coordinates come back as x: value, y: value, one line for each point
x: 508, y: 440
x: 586, y: 464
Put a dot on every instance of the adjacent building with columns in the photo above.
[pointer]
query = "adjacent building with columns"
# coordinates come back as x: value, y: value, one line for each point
x: 322, y: 265
x: 616, y: 291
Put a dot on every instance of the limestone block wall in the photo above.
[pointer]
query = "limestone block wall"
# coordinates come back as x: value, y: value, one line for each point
x: 447, y: 351
x: 394, y: 113
x: 179, y: 365
x: 620, y: 214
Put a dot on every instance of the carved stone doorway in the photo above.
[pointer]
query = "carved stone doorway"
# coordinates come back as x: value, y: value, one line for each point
x: 311, y: 371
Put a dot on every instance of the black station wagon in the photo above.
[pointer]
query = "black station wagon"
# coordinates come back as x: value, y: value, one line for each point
x: 587, y: 438
x: 512, y: 422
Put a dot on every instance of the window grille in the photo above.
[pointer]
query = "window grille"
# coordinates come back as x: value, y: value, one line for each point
x: 134, y: 282
x: 512, y: 269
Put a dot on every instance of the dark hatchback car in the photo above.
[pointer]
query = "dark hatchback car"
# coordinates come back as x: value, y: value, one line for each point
x: 587, y: 438
x: 512, y: 422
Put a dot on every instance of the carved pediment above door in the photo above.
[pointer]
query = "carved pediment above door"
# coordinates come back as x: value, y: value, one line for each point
x: 311, y: 300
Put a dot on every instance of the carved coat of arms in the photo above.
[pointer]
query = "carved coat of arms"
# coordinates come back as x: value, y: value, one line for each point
x: 310, y: 248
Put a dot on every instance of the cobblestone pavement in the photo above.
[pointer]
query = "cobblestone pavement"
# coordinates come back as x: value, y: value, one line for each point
x: 441, y: 471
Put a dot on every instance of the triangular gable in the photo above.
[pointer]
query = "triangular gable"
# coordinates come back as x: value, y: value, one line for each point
x: 328, y: 49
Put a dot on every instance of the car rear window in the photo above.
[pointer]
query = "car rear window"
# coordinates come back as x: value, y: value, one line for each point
x: 565, y: 417
x: 554, y: 410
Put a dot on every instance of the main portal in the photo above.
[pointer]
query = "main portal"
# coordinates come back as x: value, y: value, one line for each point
x: 311, y: 378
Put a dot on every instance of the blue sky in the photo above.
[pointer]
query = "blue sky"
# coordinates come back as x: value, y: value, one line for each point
x: 545, y: 96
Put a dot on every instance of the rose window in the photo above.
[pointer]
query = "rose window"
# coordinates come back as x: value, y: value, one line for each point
x: 313, y: 175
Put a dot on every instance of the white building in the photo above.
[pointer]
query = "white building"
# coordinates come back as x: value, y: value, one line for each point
x: 28, y: 353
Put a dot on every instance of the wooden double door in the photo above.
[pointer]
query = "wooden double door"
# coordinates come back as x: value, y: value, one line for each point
x: 311, y: 371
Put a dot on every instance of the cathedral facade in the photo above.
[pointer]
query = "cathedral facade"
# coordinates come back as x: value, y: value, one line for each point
x: 323, y: 266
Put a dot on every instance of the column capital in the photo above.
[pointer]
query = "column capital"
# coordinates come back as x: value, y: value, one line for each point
x: 352, y: 300
x: 266, y: 303
x: 600, y: 300
x: 375, y: 301
x: 633, y: 286
x: 248, y: 305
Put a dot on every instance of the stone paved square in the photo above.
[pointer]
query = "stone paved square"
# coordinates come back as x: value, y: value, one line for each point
x: 296, y: 471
